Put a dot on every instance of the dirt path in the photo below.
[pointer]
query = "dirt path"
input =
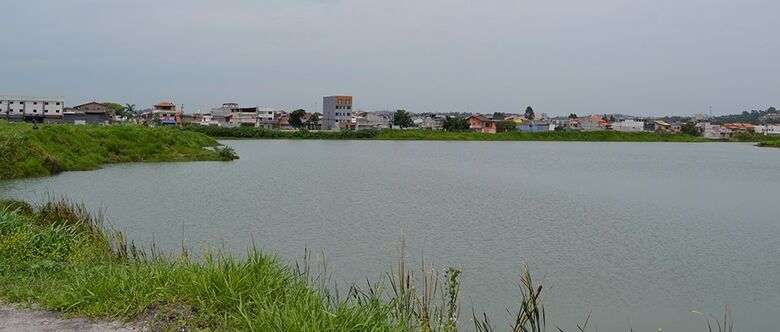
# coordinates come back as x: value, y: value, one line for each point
x: 13, y: 318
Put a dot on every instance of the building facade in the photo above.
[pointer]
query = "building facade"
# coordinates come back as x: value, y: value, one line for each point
x: 628, y: 125
x: 29, y: 108
x: 164, y: 113
x: 336, y: 112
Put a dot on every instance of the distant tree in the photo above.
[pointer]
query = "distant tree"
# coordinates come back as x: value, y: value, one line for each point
x: 529, y: 113
x: 499, y: 115
x: 116, y: 107
x: 454, y: 123
x: 611, y: 118
x: 402, y: 118
x: 129, y: 110
x: 505, y: 126
x: 296, y: 118
x: 689, y: 128
x: 572, y: 116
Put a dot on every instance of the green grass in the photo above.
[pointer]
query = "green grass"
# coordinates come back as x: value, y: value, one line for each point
x: 598, y: 136
x: 52, y: 149
x: 62, y: 259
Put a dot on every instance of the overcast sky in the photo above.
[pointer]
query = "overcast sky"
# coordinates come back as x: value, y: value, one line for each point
x: 645, y: 57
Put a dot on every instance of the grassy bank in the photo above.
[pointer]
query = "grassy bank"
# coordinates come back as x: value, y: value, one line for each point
x: 60, y: 257
x: 600, y: 136
x: 52, y: 149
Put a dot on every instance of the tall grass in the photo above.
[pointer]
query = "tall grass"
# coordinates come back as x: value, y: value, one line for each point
x: 60, y: 256
x: 52, y: 149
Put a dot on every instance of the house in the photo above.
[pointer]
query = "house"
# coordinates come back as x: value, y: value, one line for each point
x: 676, y: 127
x: 731, y: 129
x: 529, y: 126
x: 163, y: 113
x: 482, y: 124
x: 433, y: 122
x: 564, y: 123
x: 628, y: 125
x: 709, y: 130
x: 89, y: 113
x: 371, y: 120
x: 662, y: 126
x: 593, y: 123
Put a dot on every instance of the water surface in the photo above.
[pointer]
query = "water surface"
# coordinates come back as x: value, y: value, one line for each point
x: 639, y: 234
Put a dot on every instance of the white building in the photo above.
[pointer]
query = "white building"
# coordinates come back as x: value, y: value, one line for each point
x: 769, y: 129
x: 265, y: 118
x: 27, y: 108
x: 628, y: 125
x: 336, y: 110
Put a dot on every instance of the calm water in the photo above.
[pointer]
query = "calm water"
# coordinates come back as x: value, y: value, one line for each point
x: 639, y: 234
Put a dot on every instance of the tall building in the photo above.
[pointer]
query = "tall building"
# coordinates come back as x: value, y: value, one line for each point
x: 22, y: 108
x: 335, y: 111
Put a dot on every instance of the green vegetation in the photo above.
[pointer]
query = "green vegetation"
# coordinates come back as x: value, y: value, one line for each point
x: 596, y: 136
x: 52, y: 149
x: 403, y: 119
x: 60, y: 257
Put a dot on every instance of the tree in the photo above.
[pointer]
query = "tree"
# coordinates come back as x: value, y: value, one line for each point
x: 295, y: 118
x: 499, y: 116
x: 690, y: 129
x: 129, y: 110
x: 116, y: 107
x: 505, y: 126
x: 572, y: 116
x: 402, y: 118
x: 454, y: 123
x: 529, y: 113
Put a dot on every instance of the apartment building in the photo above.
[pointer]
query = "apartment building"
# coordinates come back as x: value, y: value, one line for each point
x: 336, y: 112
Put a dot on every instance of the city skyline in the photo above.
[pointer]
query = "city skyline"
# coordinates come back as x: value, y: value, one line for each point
x: 647, y: 58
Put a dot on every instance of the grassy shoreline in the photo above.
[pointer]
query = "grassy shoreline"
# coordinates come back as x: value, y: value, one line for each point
x: 61, y: 258
x: 51, y: 149
x: 429, y: 135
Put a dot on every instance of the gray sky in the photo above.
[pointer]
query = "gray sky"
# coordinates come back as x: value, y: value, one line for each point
x: 645, y: 57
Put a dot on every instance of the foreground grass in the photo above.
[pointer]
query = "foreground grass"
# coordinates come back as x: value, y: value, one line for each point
x: 60, y: 257
x: 597, y: 136
x: 52, y: 149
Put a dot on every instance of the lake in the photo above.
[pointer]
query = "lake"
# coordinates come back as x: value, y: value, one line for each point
x: 637, y: 234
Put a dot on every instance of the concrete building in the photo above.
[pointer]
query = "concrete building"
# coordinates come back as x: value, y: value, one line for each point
x: 628, y: 125
x: 164, y: 113
x: 265, y: 118
x: 336, y: 112
x: 28, y: 108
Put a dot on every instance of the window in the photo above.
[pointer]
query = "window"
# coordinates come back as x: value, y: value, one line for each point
x: 46, y: 103
x: 57, y: 111
x: 35, y: 103
x: 58, y: 103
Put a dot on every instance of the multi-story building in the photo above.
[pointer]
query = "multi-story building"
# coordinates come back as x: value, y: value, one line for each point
x: 26, y: 108
x: 265, y: 118
x: 164, y: 113
x: 336, y: 112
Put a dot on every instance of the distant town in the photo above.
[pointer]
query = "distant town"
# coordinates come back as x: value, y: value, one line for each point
x: 337, y: 114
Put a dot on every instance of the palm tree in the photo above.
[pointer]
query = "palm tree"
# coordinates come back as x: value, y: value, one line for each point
x: 129, y: 110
